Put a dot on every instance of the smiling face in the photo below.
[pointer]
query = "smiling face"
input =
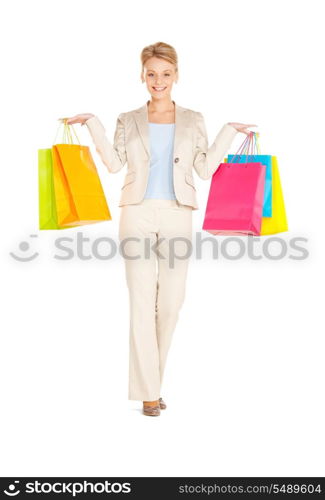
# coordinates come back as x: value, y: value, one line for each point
x: 159, y: 76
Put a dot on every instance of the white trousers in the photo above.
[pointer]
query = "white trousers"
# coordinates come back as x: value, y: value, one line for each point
x: 155, y: 240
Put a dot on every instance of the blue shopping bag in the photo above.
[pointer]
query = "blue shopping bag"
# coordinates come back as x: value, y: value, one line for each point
x: 258, y: 158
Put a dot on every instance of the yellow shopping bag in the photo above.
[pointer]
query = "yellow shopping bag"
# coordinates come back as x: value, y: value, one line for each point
x: 278, y: 222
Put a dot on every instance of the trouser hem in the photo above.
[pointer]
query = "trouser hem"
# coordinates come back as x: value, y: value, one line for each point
x: 145, y: 397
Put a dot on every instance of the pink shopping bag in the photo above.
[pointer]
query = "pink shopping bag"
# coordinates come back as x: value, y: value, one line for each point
x: 235, y: 201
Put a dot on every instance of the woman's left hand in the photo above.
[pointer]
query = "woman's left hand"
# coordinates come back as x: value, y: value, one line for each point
x: 242, y: 127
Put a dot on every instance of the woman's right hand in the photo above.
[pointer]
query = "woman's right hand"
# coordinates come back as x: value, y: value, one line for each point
x: 82, y: 118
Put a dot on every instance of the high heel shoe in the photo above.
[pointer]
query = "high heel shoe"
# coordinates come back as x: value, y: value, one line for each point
x: 151, y: 411
x: 162, y: 404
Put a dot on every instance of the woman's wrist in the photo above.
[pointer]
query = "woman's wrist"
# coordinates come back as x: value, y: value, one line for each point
x: 88, y: 118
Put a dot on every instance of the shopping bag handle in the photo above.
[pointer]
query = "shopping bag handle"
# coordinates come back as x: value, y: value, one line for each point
x: 247, y: 147
x: 253, y: 144
x: 67, y: 136
x: 242, y: 147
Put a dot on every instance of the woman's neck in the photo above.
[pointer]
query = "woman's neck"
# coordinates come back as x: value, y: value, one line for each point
x: 161, y: 106
x: 165, y: 113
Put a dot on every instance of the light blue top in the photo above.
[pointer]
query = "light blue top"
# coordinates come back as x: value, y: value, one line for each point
x: 160, y: 182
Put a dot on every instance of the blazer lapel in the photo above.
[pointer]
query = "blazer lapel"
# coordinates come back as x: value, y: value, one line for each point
x: 142, y: 120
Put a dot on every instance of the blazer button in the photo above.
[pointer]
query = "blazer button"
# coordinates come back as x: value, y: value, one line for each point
x: 176, y: 160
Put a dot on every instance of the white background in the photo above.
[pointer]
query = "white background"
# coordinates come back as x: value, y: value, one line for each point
x: 244, y: 382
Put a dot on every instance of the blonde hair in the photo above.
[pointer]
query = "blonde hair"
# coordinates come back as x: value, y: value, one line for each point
x: 161, y: 50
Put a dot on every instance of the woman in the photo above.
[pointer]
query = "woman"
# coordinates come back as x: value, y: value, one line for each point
x: 161, y: 142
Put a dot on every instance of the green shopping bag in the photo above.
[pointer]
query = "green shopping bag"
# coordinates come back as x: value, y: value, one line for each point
x: 47, y: 206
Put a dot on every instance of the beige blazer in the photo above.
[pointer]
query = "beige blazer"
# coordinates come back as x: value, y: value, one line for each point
x: 131, y: 145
